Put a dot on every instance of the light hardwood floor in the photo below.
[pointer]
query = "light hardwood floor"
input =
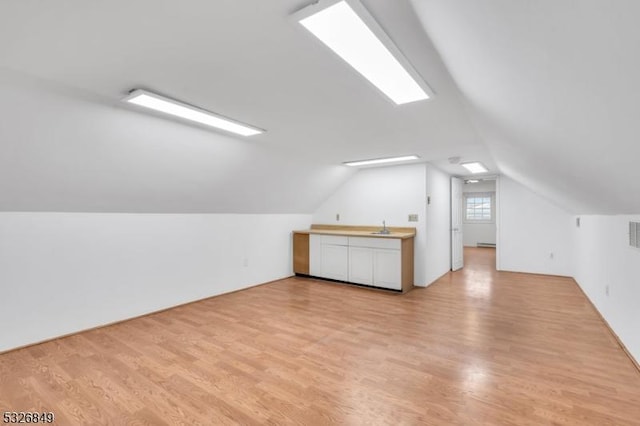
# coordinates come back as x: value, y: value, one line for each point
x: 477, y: 347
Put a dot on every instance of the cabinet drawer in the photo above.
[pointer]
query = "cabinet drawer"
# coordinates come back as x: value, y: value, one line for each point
x: 335, y: 239
x: 384, y: 243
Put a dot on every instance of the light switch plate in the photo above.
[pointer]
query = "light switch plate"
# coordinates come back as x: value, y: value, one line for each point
x: 413, y: 218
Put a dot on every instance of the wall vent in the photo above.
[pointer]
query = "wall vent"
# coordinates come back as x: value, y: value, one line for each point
x: 634, y: 234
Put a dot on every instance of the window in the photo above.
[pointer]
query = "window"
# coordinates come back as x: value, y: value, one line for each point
x: 478, y: 207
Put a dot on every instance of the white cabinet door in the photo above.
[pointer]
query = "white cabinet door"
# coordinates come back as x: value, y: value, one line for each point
x: 315, y: 253
x: 361, y: 265
x: 387, y: 269
x: 335, y: 262
x: 368, y: 261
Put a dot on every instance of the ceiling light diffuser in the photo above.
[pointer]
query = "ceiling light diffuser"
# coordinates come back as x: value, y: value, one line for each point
x: 381, y: 160
x: 475, y: 167
x: 348, y: 29
x: 187, y: 112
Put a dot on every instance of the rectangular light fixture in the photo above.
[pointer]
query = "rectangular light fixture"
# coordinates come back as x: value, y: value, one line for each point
x: 347, y: 28
x: 381, y: 161
x: 471, y: 181
x: 475, y: 167
x: 187, y: 112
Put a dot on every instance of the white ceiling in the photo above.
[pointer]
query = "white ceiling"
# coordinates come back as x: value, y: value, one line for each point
x: 545, y: 88
x: 552, y: 87
x: 243, y: 59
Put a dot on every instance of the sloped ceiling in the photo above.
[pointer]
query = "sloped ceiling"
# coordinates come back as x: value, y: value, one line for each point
x: 67, y: 143
x: 552, y: 88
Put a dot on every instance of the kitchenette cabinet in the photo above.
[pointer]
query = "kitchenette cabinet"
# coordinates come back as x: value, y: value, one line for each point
x: 361, y: 265
x: 330, y: 258
x: 356, y: 255
x: 375, y: 261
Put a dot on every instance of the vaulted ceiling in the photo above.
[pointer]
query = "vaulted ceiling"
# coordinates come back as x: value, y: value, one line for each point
x: 544, y: 88
x: 552, y: 88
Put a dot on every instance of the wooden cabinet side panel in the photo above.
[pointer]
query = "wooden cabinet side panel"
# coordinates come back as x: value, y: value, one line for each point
x: 407, y: 264
x: 301, y: 254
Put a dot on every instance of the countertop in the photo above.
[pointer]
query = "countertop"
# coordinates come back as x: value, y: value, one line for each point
x: 357, y: 233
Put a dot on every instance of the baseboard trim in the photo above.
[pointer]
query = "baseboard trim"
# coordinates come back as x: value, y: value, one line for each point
x: 97, y: 327
x: 434, y: 281
x: 534, y: 273
x: 613, y: 333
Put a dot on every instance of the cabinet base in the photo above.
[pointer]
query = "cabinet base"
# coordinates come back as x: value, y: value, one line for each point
x: 372, y: 287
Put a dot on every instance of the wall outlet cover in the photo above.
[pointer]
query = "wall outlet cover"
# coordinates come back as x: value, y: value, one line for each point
x: 413, y: 218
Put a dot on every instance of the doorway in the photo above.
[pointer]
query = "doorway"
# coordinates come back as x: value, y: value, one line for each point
x: 474, y: 214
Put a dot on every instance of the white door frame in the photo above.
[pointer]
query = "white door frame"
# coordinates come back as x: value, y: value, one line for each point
x: 457, y: 245
x: 497, y: 216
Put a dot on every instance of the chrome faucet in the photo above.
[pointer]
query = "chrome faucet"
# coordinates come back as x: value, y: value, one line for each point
x: 384, y: 229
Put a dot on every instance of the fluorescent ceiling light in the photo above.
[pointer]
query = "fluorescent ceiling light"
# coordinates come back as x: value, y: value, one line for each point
x: 352, y: 33
x: 188, y: 112
x: 381, y: 160
x: 475, y: 167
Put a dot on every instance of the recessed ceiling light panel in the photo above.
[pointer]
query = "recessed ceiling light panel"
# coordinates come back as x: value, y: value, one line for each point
x: 475, y: 167
x: 187, y: 112
x: 381, y: 161
x: 347, y: 28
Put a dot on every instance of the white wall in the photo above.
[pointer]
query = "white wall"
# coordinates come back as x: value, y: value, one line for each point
x: 530, y: 230
x: 604, y: 258
x: 391, y: 194
x: 65, y: 272
x: 474, y: 233
x: 438, y: 224
x: 384, y: 193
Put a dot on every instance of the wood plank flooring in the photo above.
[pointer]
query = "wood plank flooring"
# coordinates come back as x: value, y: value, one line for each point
x: 476, y: 348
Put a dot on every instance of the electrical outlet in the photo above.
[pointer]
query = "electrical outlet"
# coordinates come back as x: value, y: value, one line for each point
x: 606, y: 290
x: 337, y: 217
x: 413, y: 218
x: 428, y: 199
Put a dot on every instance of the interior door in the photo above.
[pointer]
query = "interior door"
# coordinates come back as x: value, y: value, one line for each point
x: 457, y: 260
